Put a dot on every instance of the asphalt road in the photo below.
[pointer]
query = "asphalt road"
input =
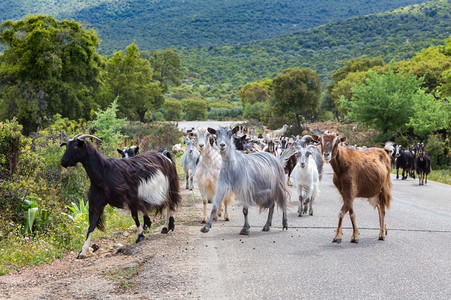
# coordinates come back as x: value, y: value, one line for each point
x: 414, y: 262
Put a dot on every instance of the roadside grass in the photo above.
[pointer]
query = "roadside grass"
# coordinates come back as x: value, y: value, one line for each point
x: 442, y: 176
x: 20, y: 251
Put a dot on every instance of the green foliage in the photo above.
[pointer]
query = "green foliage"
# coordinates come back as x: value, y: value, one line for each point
x: 296, y: 93
x: 392, y: 36
x: 257, y: 111
x: 167, y: 68
x: 130, y: 77
x: 253, y: 92
x: 430, y: 114
x: 222, y: 113
x: 431, y: 64
x: 197, y: 23
x: 174, y: 109
x: 150, y: 136
x: 48, y: 67
x: 108, y: 126
x: 385, y: 101
x: 438, y: 151
x: 195, y: 109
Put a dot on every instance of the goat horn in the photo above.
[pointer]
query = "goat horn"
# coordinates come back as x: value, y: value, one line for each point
x: 83, y: 136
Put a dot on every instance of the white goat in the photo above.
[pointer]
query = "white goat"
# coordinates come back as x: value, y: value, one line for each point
x: 279, y: 132
x: 189, y: 162
x: 207, y: 173
x: 305, y: 178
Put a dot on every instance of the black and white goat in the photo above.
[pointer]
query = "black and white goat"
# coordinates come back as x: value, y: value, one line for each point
x: 256, y: 179
x: 404, y: 160
x: 141, y: 183
x: 305, y: 178
x: 128, y: 152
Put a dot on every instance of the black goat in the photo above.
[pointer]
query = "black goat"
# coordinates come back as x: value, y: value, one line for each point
x: 128, y: 152
x: 141, y: 183
x: 422, y: 164
x: 404, y: 160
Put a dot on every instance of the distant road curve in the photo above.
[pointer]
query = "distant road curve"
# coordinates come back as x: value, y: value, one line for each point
x: 185, y: 125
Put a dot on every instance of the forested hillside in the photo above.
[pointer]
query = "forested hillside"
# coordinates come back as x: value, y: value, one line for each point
x: 394, y: 35
x: 156, y: 24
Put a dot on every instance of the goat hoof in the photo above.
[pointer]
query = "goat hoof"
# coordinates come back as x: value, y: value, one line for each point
x: 81, y: 256
x: 265, y: 228
x: 164, y: 230
x: 354, y: 241
x: 140, y: 238
x: 244, y: 232
x: 205, y: 229
x: 203, y: 221
x: 381, y: 238
x: 95, y: 247
x: 338, y: 241
x: 226, y: 219
x: 299, y: 214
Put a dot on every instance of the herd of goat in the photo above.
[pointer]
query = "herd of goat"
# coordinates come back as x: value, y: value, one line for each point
x: 255, y: 171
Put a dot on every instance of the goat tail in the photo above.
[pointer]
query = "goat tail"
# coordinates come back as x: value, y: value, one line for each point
x: 175, y: 197
x: 285, y: 156
x: 284, y: 196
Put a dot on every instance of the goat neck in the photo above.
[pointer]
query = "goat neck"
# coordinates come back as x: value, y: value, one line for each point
x: 93, y: 163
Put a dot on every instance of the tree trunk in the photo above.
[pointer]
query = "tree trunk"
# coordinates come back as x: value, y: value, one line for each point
x: 141, y: 115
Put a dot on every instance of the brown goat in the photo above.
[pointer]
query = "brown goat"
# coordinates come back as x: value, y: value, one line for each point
x: 363, y: 174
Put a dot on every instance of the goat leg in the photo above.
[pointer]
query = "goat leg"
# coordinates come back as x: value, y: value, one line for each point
x: 383, y: 226
x: 246, y: 227
x: 147, y: 222
x: 187, y: 181
x: 94, y: 219
x: 355, y: 232
x: 339, y: 231
x: 169, y: 223
x: 269, y: 221
x: 221, y: 192
x: 300, y: 207
x: 140, y: 229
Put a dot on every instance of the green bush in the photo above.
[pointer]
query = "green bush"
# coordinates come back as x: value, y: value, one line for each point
x: 438, y: 152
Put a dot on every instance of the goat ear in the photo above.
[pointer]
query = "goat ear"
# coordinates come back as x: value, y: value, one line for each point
x: 136, y: 149
x: 119, y: 151
x: 235, y: 130
x: 211, y: 130
x: 63, y: 144
x: 343, y: 139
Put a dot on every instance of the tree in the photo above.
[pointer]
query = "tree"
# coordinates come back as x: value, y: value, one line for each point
x: 108, y: 125
x: 167, y: 68
x: 130, y: 77
x: 174, y: 109
x: 384, y: 101
x: 431, y: 64
x: 195, y: 109
x: 296, y: 93
x: 48, y: 67
x: 430, y: 114
x: 344, y: 78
